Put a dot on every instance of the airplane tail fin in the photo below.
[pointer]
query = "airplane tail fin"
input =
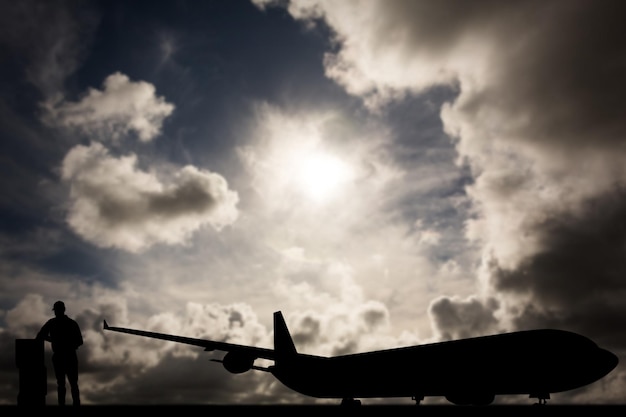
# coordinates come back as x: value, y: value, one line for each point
x: 283, y: 343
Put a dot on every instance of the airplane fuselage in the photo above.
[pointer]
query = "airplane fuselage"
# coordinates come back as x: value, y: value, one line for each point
x: 533, y: 362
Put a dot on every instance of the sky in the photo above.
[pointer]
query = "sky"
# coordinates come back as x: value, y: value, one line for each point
x: 385, y: 173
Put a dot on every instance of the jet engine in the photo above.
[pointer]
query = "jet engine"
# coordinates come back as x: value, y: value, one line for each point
x: 238, y: 363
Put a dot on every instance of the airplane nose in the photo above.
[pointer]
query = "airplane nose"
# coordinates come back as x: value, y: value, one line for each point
x: 609, y: 360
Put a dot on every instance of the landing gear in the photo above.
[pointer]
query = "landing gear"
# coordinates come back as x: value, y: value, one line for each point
x: 542, y: 399
x: 350, y: 402
x: 417, y: 398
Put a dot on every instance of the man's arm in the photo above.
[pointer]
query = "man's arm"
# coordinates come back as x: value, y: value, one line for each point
x: 78, y: 336
x: 44, y: 333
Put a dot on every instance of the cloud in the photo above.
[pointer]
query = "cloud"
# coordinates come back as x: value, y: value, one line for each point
x: 121, y: 107
x: 115, y: 204
x: 51, y: 39
x: 580, y: 264
x: 317, y: 283
x: 456, y: 318
x: 538, y: 115
x: 425, y: 236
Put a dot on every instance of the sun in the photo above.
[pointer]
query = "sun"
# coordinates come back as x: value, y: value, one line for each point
x: 320, y: 175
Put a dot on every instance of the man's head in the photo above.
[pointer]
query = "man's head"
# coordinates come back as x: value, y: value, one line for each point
x: 59, y: 308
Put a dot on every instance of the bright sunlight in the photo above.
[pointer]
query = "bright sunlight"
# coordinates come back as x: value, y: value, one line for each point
x: 320, y: 175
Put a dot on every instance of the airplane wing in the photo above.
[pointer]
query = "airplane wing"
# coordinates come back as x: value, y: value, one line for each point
x: 208, y: 345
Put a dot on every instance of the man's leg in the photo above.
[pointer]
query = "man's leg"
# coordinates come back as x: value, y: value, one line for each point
x: 59, y: 373
x: 72, y: 376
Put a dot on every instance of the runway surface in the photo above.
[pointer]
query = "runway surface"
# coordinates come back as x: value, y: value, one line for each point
x: 325, y: 411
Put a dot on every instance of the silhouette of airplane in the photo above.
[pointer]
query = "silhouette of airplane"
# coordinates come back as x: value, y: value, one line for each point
x: 468, y: 371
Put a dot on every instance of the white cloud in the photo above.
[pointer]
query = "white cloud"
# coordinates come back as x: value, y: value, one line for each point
x: 317, y: 283
x: 27, y: 313
x: 115, y: 204
x: 121, y: 107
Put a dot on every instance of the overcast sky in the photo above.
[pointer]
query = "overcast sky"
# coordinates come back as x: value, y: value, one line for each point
x: 385, y: 173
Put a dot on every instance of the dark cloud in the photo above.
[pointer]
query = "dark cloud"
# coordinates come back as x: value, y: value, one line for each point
x: 555, y: 78
x: 374, y: 315
x: 49, y: 39
x: 306, y: 332
x: 455, y: 318
x: 182, y: 380
x: 576, y: 280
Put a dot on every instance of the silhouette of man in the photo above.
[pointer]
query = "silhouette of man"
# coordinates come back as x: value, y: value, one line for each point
x: 65, y: 337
